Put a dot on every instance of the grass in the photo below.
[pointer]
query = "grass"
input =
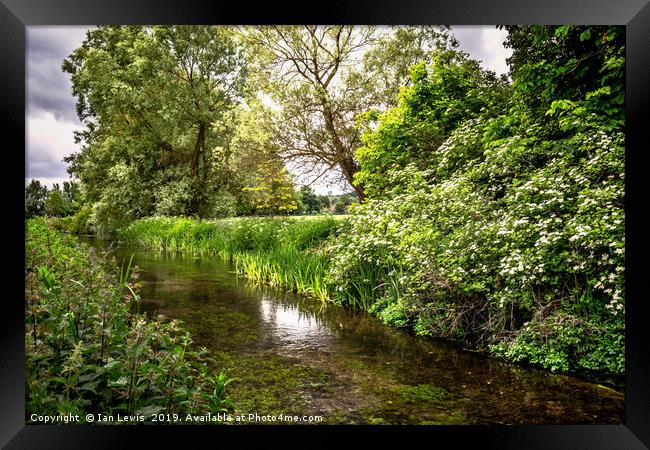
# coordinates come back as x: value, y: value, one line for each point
x: 278, y: 251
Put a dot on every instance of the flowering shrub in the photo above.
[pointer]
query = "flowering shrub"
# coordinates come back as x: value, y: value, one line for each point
x: 510, y: 233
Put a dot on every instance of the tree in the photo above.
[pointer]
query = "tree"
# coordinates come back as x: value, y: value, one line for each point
x: 35, y: 195
x: 72, y: 196
x: 303, y: 68
x: 340, y: 207
x: 324, y: 201
x: 311, y: 202
x: 55, y: 204
x: 252, y: 161
x: 343, y: 202
x: 149, y: 97
x: 448, y: 90
x: 316, y: 74
x: 566, y: 63
x: 387, y: 64
x: 273, y: 193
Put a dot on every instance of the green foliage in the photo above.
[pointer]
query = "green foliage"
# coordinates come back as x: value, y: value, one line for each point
x: 55, y: 205
x: 153, y: 100
x: 387, y: 63
x: 340, y: 207
x: 569, y: 63
x: 77, y: 224
x: 35, y: 196
x: 341, y: 204
x: 391, y: 311
x: 222, y: 204
x: 72, y: 197
x: 562, y: 342
x: 276, y: 251
x: 322, y: 77
x: 88, y: 351
x: 505, y: 221
x: 324, y: 201
x: 174, y: 192
x: 449, y: 89
x: 273, y: 191
x: 311, y: 203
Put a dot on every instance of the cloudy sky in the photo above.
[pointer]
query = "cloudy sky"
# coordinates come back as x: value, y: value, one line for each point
x: 51, y: 118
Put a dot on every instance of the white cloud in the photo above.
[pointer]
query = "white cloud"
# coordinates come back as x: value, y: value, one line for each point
x: 48, y: 140
x: 484, y: 43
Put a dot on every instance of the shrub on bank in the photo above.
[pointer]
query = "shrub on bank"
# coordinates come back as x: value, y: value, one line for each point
x: 88, y: 351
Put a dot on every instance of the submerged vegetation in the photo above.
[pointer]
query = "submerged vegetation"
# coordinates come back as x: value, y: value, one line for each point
x: 87, y: 348
x: 488, y: 210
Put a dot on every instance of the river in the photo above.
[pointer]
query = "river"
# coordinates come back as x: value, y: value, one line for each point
x: 292, y: 355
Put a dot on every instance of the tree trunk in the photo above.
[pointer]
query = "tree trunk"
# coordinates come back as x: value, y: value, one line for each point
x: 199, y: 149
x: 345, y: 157
x: 349, y: 167
x: 203, y: 194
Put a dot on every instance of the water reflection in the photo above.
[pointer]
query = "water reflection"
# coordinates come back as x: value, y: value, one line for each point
x: 294, y: 328
x: 370, y: 368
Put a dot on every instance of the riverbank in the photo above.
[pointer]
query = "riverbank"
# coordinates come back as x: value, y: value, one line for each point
x: 286, y: 252
x: 300, y: 253
x: 88, y: 349
x: 295, y: 355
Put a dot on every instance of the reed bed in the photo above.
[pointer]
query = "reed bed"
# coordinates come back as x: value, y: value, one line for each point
x: 281, y: 251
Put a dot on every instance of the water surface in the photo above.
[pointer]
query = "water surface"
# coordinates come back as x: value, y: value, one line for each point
x: 293, y: 355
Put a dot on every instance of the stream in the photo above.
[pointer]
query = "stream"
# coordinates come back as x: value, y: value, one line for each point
x: 293, y: 355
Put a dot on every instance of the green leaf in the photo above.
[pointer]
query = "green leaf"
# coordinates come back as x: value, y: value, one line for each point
x: 109, y: 365
x: 89, y: 387
x: 562, y: 31
x: 59, y: 380
x: 120, y: 382
x: 149, y: 410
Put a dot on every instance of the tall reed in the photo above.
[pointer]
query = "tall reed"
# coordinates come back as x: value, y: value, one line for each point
x: 284, y: 252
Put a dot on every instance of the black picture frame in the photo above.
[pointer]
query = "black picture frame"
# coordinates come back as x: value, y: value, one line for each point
x: 16, y: 15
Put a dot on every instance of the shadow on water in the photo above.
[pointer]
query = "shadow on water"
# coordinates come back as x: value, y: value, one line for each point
x: 294, y: 355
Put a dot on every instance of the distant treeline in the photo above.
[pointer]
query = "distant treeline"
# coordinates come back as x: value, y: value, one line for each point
x: 491, y: 209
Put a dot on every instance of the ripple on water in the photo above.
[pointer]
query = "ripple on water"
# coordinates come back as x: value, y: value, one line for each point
x: 291, y: 354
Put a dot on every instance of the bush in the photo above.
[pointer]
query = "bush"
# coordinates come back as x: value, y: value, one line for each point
x: 80, y: 223
x: 87, y: 350
x: 482, y: 252
x: 506, y: 225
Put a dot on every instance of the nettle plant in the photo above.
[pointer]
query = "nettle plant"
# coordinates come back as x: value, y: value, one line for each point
x: 88, y: 350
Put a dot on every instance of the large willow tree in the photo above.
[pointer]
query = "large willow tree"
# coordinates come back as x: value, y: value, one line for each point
x: 323, y: 77
x: 151, y: 99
